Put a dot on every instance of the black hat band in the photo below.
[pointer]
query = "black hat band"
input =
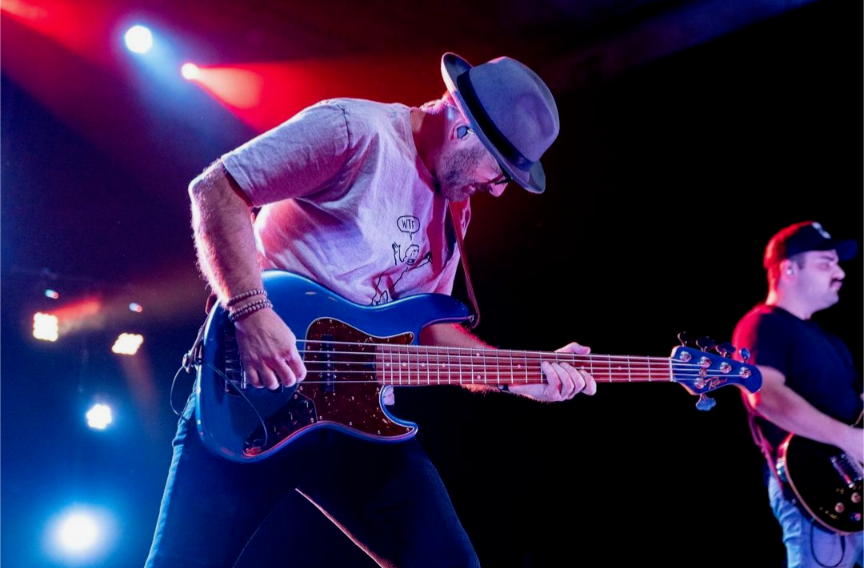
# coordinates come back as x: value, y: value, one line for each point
x: 495, y: 136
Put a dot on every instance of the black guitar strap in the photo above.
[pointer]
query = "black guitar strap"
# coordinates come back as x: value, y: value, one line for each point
x: 474, y: 320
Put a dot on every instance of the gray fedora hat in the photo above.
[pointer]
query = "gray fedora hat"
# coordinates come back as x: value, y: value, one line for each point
x: 511, y: 110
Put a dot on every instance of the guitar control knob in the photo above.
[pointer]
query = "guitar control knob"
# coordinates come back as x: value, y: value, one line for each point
x: 839, y: 508
x: 855, y: 497
x: 856, y: 517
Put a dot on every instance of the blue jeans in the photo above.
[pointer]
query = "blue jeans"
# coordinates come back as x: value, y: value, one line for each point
x: 808, y: 545
x: 388, y: 498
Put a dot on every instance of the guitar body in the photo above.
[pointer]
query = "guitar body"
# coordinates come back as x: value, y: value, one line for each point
x: 250, y: 424
x: 827, y: 484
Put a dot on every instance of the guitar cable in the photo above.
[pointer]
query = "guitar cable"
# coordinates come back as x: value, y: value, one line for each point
x: 192, y: 361
x: 842, y: 538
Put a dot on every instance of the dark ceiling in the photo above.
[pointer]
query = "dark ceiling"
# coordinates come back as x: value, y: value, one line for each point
x: 605, y: 36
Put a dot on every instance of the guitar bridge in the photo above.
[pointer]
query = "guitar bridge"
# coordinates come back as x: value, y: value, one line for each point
x: 297, y: 413
x: 847, y: 470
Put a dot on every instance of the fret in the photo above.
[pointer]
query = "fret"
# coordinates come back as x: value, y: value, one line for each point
x: 401, y: 367
x: 394, y: 365
x: 426, y: 365
x: 412, y: 365
x: 390, y: 379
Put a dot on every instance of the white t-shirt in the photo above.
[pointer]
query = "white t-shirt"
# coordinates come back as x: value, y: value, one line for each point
x: 346, y: 201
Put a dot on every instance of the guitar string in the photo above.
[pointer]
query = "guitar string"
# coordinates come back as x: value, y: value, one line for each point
x: 474, y: 357
x: 481, y: 360
x: 415, y: 347
x: 425, y: 351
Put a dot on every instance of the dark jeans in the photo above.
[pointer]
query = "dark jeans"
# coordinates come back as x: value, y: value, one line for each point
x: 388, y: 498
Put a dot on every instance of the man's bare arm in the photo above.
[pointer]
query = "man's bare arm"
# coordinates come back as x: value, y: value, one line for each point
x: 222, y: 226
x: 225, y: 241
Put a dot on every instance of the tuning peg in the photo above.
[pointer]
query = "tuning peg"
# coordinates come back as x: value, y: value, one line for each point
x: 705, y: 402
x: 705, y: 343
x: 726, y: 349
x: 745, y: 354
x: 684, y: 338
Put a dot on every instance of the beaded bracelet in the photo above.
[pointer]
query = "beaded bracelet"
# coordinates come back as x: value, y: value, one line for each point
x: 247, y: 294
x: 249, y: 308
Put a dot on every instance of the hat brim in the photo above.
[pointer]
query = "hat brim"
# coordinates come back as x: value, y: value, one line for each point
x: 534, y: 180
x: 846, y: 249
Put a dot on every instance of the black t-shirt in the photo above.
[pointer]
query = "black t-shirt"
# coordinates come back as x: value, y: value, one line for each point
x: 817, y: 364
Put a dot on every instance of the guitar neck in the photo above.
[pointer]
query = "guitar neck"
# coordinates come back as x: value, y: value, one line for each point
x: 412, y: 365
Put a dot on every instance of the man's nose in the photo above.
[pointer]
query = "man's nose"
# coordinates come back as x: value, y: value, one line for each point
x: 496, y: 189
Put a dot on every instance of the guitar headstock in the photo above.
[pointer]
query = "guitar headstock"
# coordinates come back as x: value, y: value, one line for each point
x: 709, y: 366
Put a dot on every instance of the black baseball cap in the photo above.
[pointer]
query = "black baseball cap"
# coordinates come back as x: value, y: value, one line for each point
x: 803, y: 237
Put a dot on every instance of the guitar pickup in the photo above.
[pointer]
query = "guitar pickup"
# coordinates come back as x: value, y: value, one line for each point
x: 232, y: 369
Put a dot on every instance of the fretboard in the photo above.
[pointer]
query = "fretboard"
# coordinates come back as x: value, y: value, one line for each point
x: 412, y: 365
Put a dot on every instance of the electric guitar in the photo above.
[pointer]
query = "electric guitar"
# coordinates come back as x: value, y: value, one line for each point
x: 826, y: 483
x: 352, y: 352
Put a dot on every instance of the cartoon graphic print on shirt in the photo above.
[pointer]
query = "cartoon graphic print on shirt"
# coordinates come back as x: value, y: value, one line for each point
x: 410, y: 258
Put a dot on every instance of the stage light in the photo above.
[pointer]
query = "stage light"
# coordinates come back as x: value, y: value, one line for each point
x: 45, y: 327
x: 127, y: 343
x: 99, y: 416
x: 53, y: 294
x: 80, y: 536
x: 78, y: 532
x: 135, y: 307
x: 24, y: 10
x: 139, y: 39
x: 190, y: 71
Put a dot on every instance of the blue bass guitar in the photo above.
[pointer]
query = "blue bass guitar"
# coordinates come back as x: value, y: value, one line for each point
x: 352, y: 352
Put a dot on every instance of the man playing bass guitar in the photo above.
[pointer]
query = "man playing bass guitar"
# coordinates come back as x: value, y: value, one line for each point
x: 369, y: 200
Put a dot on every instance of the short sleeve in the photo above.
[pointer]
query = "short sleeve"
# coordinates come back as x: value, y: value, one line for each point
x: 767, y: 338
x: 298, y: 158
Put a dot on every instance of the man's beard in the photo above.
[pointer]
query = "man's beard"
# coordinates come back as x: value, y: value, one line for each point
x: 456, y: 182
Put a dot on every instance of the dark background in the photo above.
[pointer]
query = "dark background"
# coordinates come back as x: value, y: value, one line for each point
x: 677, y: 161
